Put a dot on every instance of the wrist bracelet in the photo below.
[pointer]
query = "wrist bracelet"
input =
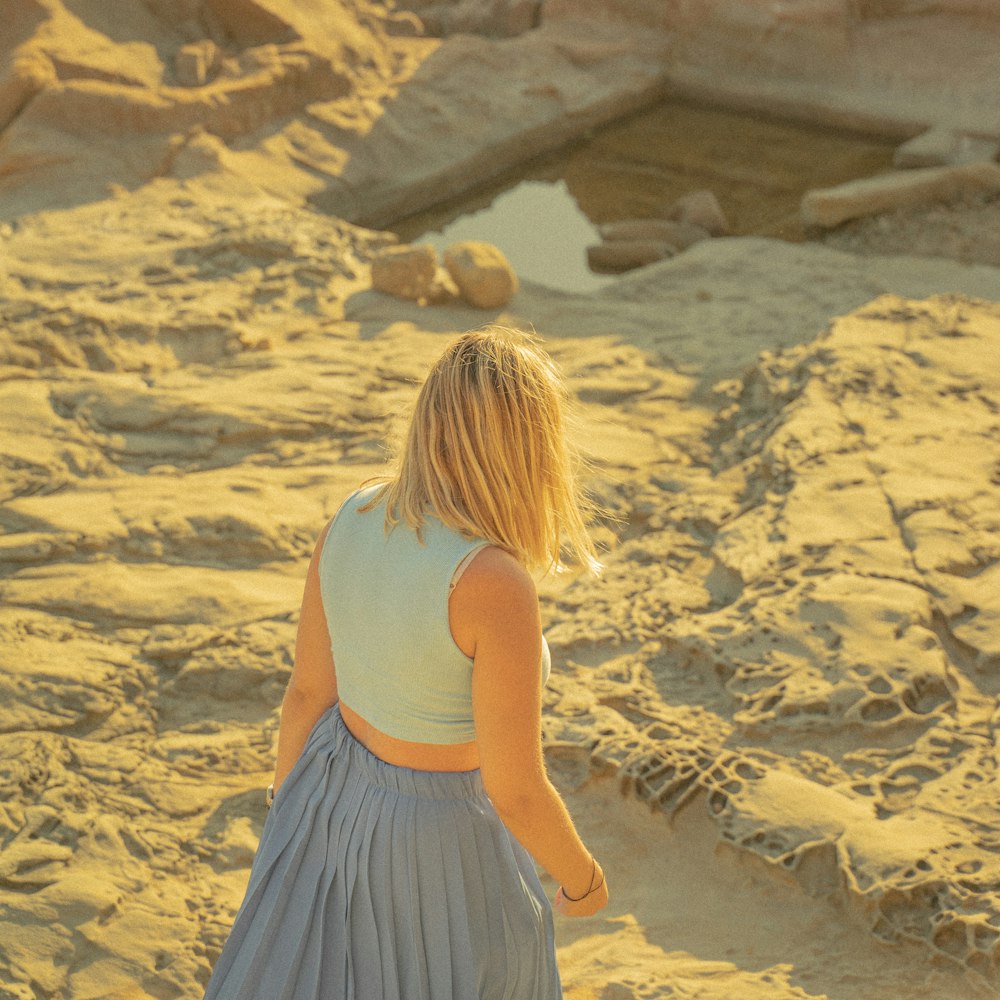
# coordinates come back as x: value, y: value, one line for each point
x: 593, y: 888
x: 269, y: 796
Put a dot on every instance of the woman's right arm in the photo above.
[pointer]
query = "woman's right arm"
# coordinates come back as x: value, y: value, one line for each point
x: 495, y: 603
x: 312, y: 687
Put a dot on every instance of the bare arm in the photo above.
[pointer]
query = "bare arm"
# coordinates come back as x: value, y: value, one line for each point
x: 495, y: 604
x: 312, y: 688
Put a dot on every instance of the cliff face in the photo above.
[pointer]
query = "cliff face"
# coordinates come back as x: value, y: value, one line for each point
x: 358, y: 109
x: 334, y: 101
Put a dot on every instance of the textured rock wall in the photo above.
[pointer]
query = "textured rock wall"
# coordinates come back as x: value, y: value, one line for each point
x: 814, y: 658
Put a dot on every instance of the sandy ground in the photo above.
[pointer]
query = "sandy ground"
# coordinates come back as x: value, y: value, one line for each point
x: 788, y: 657
x: 774, y: 714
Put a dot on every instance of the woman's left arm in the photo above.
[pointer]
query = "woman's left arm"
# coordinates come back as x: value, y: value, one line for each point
x: 312, y: 688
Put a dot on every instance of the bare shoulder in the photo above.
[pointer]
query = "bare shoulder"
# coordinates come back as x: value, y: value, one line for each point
x: 495, y: 573
x: 494, y: 601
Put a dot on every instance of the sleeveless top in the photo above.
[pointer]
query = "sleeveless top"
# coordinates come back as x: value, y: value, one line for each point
x: 386, y: 602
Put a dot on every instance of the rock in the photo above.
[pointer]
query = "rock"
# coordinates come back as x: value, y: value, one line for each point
x: 29, y: 73
x: 482, y: 273
x: 196, y: 153
x: 624, y: 255
x: 700, y: 208
x: 442, y: 290
x: 195, y: 64
x: 829, y: 207
x: 942, y: 147
x: 679, y: 235
x: 406, y: 271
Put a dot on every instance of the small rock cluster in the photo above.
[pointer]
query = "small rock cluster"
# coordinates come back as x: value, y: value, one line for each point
x: 632, y: 243
x: 939, y: 166
x: 474, y: 271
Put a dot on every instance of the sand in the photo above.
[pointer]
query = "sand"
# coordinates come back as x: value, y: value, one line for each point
x: 773, y: 714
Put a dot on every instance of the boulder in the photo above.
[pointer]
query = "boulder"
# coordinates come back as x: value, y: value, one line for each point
x: 700, y: 208
x: 679, y: 235
x: 829, y: 207
x: 624, y: 255
x: 406, y: 271
x: 942, y: 147
x: 482, y: 273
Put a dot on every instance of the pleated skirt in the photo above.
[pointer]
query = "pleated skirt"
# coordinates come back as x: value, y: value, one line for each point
x: 377, y: 882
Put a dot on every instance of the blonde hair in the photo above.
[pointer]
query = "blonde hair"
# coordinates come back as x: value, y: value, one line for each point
x: 486, y: 453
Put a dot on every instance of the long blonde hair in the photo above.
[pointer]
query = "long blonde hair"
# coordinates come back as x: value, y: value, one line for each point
x: 486, y: 453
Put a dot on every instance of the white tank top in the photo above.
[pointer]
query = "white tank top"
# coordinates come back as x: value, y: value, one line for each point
x: 386, y: 603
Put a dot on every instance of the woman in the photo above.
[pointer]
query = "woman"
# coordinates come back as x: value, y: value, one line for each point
x: 410, y: 793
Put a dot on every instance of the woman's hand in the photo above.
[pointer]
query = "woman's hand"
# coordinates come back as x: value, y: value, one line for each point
x: 594, y: 901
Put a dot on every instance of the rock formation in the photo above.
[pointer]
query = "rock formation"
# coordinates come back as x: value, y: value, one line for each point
x: 944, y: 147
x: 482, y: 274
x: 805, y: 566
x: 616, y: 256
x: 902, y: 189
x: 406, y: 271
x: 678, y: 235
x: 633, y: 243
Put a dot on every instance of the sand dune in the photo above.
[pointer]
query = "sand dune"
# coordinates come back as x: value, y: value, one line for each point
x: 774, y: 713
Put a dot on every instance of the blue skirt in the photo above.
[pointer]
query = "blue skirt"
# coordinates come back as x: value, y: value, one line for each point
x: 377, y: 882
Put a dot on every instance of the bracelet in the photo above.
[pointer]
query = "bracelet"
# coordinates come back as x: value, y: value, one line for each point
x: 269, y: 796
x: 593, y: 888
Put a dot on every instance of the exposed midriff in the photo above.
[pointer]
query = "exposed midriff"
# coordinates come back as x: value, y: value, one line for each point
x: 405, y: 753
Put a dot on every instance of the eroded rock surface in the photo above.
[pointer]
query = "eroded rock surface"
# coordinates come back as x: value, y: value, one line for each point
x: 843, y: 590
x: 790, y: 649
